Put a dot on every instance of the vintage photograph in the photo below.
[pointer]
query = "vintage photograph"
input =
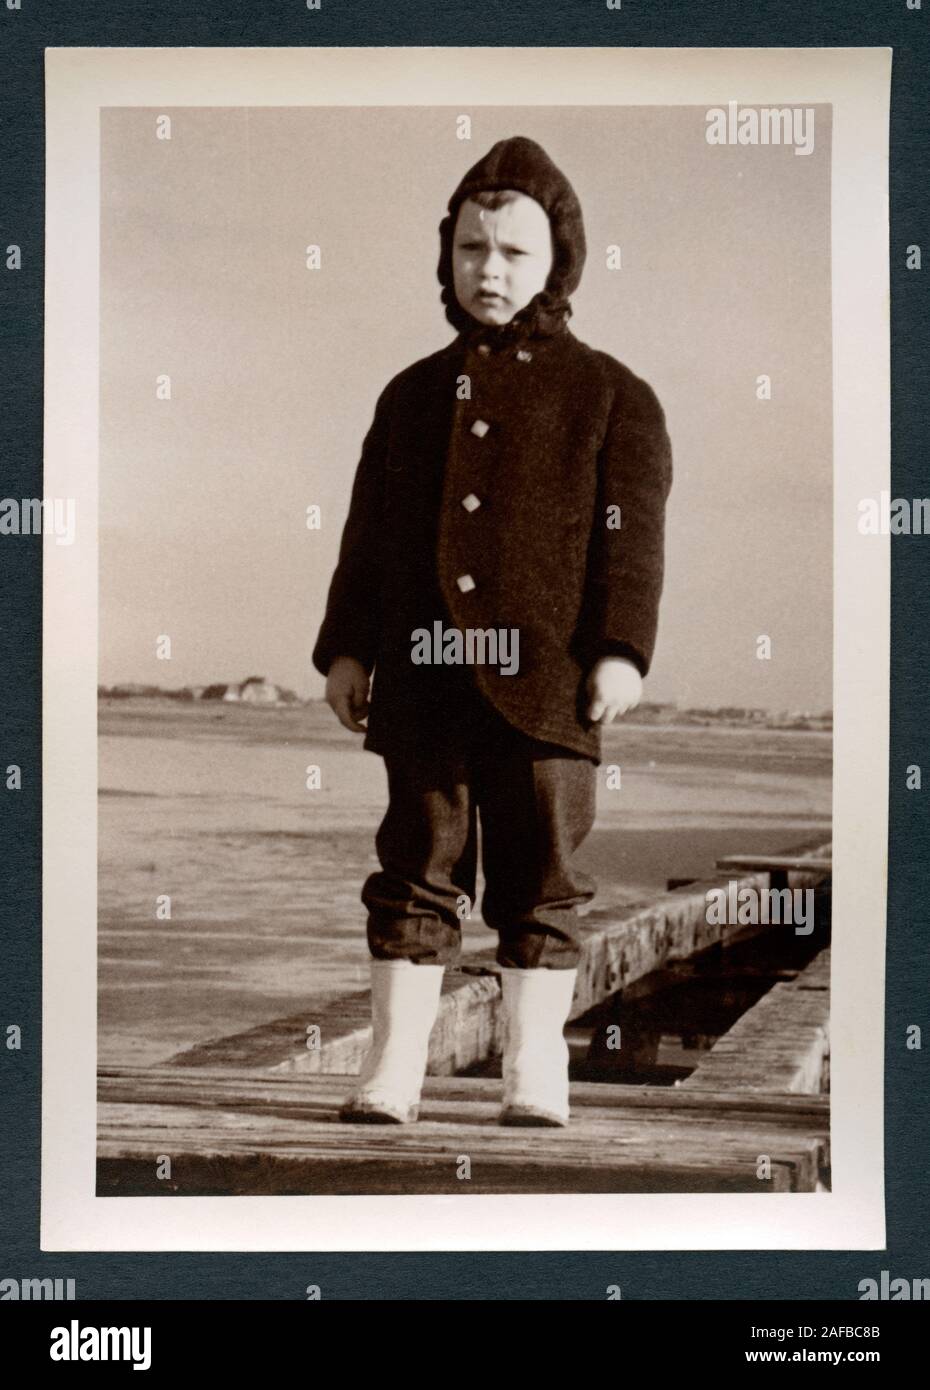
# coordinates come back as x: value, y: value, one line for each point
x: 467, y: 680
x: 465, y: 650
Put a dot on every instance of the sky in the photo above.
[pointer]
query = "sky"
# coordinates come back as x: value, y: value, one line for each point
x: 275, y: 368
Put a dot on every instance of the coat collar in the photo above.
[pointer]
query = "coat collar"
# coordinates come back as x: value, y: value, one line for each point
x: 508, y: 339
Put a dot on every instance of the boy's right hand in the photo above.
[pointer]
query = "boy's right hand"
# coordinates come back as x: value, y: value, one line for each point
x: 347, y: 685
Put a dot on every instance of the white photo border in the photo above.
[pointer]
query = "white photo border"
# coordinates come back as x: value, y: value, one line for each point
x: 79, y: 82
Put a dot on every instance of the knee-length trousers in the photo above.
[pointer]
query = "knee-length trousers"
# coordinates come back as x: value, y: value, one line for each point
x: 536, y: 804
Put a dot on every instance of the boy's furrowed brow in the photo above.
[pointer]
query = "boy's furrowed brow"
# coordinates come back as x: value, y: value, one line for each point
x: 476, y: 239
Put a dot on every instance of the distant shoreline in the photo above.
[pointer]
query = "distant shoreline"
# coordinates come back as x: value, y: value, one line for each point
x: 116, y: 700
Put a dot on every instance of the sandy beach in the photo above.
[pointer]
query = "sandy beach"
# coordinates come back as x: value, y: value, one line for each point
x: 208, y: 804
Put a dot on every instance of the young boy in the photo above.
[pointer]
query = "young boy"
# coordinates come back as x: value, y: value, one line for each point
x: 511, y: 486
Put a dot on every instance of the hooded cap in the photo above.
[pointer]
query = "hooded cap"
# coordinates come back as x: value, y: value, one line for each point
x: 521, y: 164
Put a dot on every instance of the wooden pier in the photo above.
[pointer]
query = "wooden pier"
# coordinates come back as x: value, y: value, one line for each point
x: 257, y: 1113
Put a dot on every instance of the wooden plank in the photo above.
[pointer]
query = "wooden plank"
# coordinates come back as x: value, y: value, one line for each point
x: 226, y: 1088
x: 750, y: 863
x: 225, y: 1133
x: 615, y: 952
x: 781, y: 1043
x: 466, y: 1031
x: 434, y: 1164
x: 208, y: 1086
x: 367, y: 1175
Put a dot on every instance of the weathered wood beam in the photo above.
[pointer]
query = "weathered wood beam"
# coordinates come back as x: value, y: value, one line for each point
x: 226, y: 1133
x: 781, y: 1044
x: 750, y: 863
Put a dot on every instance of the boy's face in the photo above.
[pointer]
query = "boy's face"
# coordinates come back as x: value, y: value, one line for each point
x: 501, y: 257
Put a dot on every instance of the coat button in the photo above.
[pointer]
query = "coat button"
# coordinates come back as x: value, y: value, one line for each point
x: 471, y: 503
x: 480, y: 428
x: 483, y: 349
x: 465, y: 583
x: 524, y: 356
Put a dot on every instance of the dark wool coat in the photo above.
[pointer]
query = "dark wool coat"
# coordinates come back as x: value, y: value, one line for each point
x: 546, y: 435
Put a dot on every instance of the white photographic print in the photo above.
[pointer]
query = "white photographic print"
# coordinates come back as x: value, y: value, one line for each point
x: 466, y: 649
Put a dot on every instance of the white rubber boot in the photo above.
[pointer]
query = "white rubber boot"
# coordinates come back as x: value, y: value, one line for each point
x: 536, y: 1005
x: 404, y: 1005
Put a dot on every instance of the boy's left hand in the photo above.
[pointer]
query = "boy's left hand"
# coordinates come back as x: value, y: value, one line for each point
x: 614, y: 686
